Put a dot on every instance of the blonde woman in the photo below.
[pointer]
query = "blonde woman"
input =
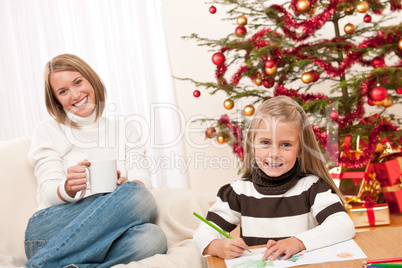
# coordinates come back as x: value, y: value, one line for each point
x: 286, y: 198
x: 73, y: 227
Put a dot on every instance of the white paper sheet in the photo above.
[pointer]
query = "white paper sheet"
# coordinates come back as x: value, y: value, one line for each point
x: 343, y: 251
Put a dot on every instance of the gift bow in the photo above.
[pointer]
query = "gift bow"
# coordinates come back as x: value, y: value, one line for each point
x: 370, y: 190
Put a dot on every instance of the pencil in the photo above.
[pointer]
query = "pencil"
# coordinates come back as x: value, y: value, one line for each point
x: 384, y: 265
x: 382, y: 260
x: 368, y: 266
x: 215, y: 227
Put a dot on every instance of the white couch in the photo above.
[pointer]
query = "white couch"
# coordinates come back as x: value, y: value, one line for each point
x: 18, y: 203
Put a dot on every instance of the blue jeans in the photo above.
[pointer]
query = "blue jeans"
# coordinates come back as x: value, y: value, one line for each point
x: 98, y: 231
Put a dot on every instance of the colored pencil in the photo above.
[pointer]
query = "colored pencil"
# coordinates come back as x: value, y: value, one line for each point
x: 382, y: 260
x: 384, y: 265
x: 368, y: 266
x: 215, y: 227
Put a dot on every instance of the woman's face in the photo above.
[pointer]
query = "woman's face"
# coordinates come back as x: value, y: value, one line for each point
x: 73, y: 92
x: 276, y: 146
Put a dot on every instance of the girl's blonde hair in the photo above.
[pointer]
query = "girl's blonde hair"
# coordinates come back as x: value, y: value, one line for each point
x: 312, y: 160
x: 69, y: 62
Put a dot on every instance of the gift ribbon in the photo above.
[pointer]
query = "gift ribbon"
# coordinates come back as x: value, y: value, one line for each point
x: 393, y: 188
x: 346, y: 145
x: 370, y: 213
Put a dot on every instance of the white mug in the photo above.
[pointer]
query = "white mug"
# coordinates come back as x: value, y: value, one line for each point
x: 102, y: 176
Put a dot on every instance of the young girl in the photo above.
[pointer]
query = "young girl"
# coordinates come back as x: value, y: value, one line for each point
x: 286, y: 198
x: 72, y: 227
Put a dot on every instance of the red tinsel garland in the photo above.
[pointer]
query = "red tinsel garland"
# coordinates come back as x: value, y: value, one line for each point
x: 237, y: 75
x: 368, y: 151
x: 281, y: 90
x: 309, y: 26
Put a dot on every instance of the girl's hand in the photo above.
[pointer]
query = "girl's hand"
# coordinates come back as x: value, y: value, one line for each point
x: 76, y: 178
x: 288, y: 246
x: 226, y: 248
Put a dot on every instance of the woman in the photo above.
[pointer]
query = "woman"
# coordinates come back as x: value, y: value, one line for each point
x: 71, y: 225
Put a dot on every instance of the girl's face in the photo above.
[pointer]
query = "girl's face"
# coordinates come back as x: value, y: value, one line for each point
x: 73, y: 92
x: 276, y: 146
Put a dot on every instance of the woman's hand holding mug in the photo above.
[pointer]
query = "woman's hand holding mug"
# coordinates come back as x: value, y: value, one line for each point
x: 77, y: 178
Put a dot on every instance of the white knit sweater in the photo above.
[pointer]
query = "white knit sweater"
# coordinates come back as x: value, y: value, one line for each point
x: 56, y: 147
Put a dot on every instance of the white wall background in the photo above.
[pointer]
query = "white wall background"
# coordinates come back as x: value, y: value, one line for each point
x: 210, y: 165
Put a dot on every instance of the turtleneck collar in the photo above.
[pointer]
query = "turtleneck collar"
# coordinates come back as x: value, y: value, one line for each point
x: 83, y: 122
x: 265, y: 184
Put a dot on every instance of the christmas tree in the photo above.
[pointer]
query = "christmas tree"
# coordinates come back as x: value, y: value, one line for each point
x: 274, y: 47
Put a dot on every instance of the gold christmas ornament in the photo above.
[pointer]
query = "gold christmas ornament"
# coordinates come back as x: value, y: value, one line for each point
x: 362, y: 7
x: 220, y: 139
x: 258, y: 80
x: 307, y: 78
x: 241, y: 20
x: 400, y: 44
x: 385, y: 118
x: 378, y: 103
x: 228, y: 104
x: 303, y: 5
x: 388, y: 102
x: 349, y: 9
x: 379, y: 147
x: 349, y: 28
x: 249, y: 110
x: 271, y: 71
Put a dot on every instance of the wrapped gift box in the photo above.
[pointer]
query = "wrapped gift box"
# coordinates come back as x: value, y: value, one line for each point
x: 349, y: 182
x: 389, y: 173
x: 393, y: 195
x: 369, y: 215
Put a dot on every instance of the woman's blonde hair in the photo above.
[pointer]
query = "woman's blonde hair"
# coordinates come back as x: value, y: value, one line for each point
x: 69, y: 62
x: 284, y: 108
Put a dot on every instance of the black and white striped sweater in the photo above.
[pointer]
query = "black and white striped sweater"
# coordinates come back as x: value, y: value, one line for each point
x: 309, y: 211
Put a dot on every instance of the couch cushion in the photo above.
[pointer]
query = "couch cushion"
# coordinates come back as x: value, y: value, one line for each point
x: 17, y: 199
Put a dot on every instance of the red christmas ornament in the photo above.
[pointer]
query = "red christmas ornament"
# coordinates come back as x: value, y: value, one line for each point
x: 196, y: 93
x: 218, y: 58
x: 269, y: 64
x: 399, y: 90
x: 210, y: 132
x: 378, y: 93
x: 378, y: 62
x: 367, y: 18
x: 316, y: 75
x: 370, y: 102
x: 334, y: 115
x: 212, y: 10
x: 240, y: 31
x: 268, y: 82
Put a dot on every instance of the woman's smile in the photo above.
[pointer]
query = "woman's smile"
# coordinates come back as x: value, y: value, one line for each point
x: 81, y: 103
